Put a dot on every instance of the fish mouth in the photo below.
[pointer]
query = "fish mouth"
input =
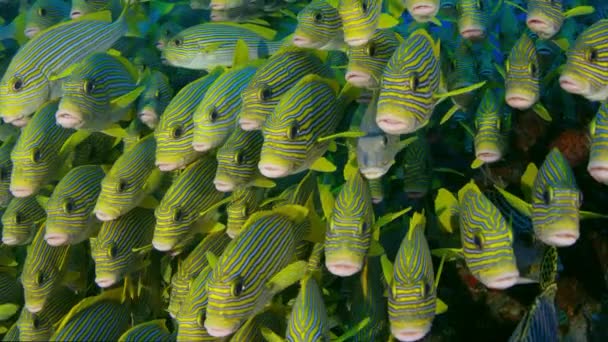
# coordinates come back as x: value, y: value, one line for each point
x: 343, y: 268
x: 377, y: 200
x: 599, y: 171
x: 356, y: 41
x: 372, y: 173
x: 9, y: 240
x: 201, y: 146
x: 21, y: 191
x: 410, y: 334
x: 75, y: 14
x: 473, y: 33
x: 272, y: 170
x: 501, y: 282
x: 519, y: 102
x: 393, y: 125
x: 302, y: 41
x: 31, y: 32
x: 219, y: 331
x: 103, y: 216
x: 250, y: 124
x: 148, y: 117
x: 415, y: 194
x: 359, y: 79
x: 570, y: 85
x: 166, y: 167
x: 68, y: 120
x: 223, y: 186
x: 488, y: 156
x: 424, y: 10
x: 34, y: 308
x: 540, y: 27
x: 56, y: 239
x: 560, y: 239
x: 162, y: 246
x: 19, y: 121
x: 160, y: 45
x: 106, y: 281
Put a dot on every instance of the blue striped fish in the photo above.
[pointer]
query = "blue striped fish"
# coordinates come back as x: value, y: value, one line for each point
x: 175, y: 130
x: 308, y: 320
x: 244, y: 278
x: 155, y: 330
x: 6, y: 168
x: 361, y: 18
x: 522, y: 82
x: 238, y: 161
x: 545, y: 17
x: 21, y: 221
x: 44, y: 14
x: 191, y: 266
x: 192, y: 316
x: 98, y: 92
x: 598, y: 151
x: 319, y: 27
x: 209, y: 45
x: 12, y: 334
x: 245, y: 201
x: 36, y: 157
x: 70, y: 208
x: 377, y: 190
x: 586, y: 70
x: 491, y: 128
x: 131, y: 178
x: 154, y: 99
x: 422, y: 10
x: 417, y: 169
x: 113, y: 250
x: 473, y: 18
x: 272, y: 81
x: 101, y: 318
x: 84, y: 7
x: 185, y: 204
x: 366, y: 62
x: 216, y: 116
x: 44, y: 269
x: 28, y: 82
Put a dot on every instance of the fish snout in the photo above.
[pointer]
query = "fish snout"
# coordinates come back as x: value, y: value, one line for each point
x: 148, y: 117
x: 392, y: 124
x: 68, y: 120
x: 410, y: 334
x: 301, y: 41
x: 9, y: 240
x: 249, y: 124
x: 473, y: 32
x: 359, y: 79
x: 488, y: 156
x: 56, y: 239
x: 162, y: 246
x: 519, y: 101
x: 34, y: 308
x: 30, y: 32
x: 201, y: 146
x: 166, y: 167
x: 105, y: 281
x: 223, y: 185
x: 424, y: 10
x: 342, y: 268
x: 75, y: 14
x: 560, y: 238
x: 502, y: 281
x: 272, y: 170
x: 217, y: 331
x: 19, y: 121
x: 571, y: 85
x: 598, y: 170
x: 21, y: 191
x: 540, y: 26
x: 103, y: 216
x: 356, y: 41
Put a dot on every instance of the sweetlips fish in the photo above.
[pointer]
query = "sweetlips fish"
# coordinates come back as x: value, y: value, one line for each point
x: 21, y: 221
x: 44, y: 14
x: 319, y: 27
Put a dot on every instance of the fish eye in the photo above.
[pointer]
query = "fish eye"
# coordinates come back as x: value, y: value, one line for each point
x: 547, y: 197
x: 88, y: 87
x: 414, y: 82
x: 178, y: 216
x: 36, y: 322
x: 40, y: 278
x: 292, y: 131
x: 4, y: 174
x: 478, y: 241
x: 371, y: 49
x: 68, y: 205
x: 122, y: 185
x: 200, y: 319
x: 318, y: 17
x: 592, y: 55
x: 157, y: 93
x: 384, y: 140
x: 364, y: 6
x: 17, y: 84
x: 265, y: 94
x: 533, y: 69
x: 112, y: 250
x: 19, y: 218
x: 41, y: 12
x: 177, y: 42
x: 427, y: 289
x: 213, y: 115
x: 177, y: 132
x: 36, y: 155
x: 238, y: 158
x: 480, y: 5
x: 364, y: 227
x: 238, y: 287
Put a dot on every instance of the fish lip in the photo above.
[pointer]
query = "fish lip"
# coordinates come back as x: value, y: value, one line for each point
x: 21, y: 192
x: 410, y: 334
x: 473, y: 33
x: 148, y: 117
x: 423, y: 10
x: 342, y: 268
x: 9, y: 240
x: 34, y: 308
x: 301, y: 41
x: 392, y: 125
x: 105, y: 282
x: 19, y: 121
x: 201, y: 146
x: 218, y: 332
x: 562, y: 239
x: 356, y: 41
x: 160, y: 45
x: 488, y: 156
x: 570, y: 85
x: 519, y: 102
x: 104, y: 217
x: 166, y: 167
x: 372, y: 173
x: 272, y: 170
x: 75, y: 14
x: 223, y: 186
x: 598, y: 171
x: 31, y: 32
x: 415, y: 194
x: 56, y: 239
x: 539, y: 26
x: 502, y: 282
x: 249, y: 125
x: 68, y: 120
x: 358, y: 79
x: 162, y: 247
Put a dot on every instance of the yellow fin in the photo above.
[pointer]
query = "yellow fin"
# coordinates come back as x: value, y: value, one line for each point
x: 527, y: 181
x: 153, y: 181
x: 542, y: 112
x: 519, y: 204
x: 510, y: 3
x: 387, y: 269
x: 72, y: 142
x: 288, y: 276
x: 501, y: 71
x: 405, y: 142
x: 116, y: 131
x: 446, y: 209
x: 211, y: 259
x: 7, y: 310
x: 436, y: 21
x: 388, y: 218
x: 351, y: 168
x: 327, y: 200
x: 65, y: 73
x: 586, y: 215
x: 375, y: 249
x: 579, y: 10
x: 42, y: 200
x: 332, y: 146
x: 460, y: 91
x: 263, y: 182
x: 294, y: 212
x: 352, y: 331
x: 347, y: 134
x: 271, y: 336
x: 264, y: 32
x: 448, y: 253
x: 323, y: 165
x: 387, y: 21
x: 440, y: 307
x: 128, y: 98
x: 449, y: 114
x: 241, y: 53
x: 477, y: 163
x: 149, y: 202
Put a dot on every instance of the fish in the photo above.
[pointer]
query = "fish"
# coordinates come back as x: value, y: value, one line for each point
x: 154, y: 99
x: 598, y: 129
x: 417, y: 168
x: 70, y: 207
x: 98, y: 92
x: 410, y: 85
x: 129, y: 181
x: 486, y: 237
x: 412, y: 289
x: 28, y: 82
x: 209, y: 45
x: 308, y: 320
x: 422, y: 10
x: 217, y: 114
x: 272, y: 81
x: 366, y: 62
x: 36, y: 157
x: 309, y: 111
x: 155, y: 330
x: 113, y: 250
x: 237, y: 161
x: 184, y: 205
x: 473, y: 18
x: 522, y: 85
x: 6, y: 169
x: 191, y: 266
x: 462, y: 72
x: 174, y: 132
x: 377, y: 190
x: 104, y: 317
x: 21, y: 220
x: 585, y: 70
x: 43, y: 271
x: 12, y: 290
x: 361, y: 18
x: 44, y: 14
x: 245, y: 201
x: 166, y: 31
x: 84, y: 7
x: 319, y: 27
x: 545, y: 17
x: 491, y: 128
x: 192, y: 316
x: 237, y: 289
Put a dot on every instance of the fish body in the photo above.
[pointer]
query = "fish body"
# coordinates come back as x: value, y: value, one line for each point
x: 273, y: 80
x: 546, y: 17
x: 70, y: 208
x: 27, y: 84
x: 360, y: 19
x: 308, y: 320
x: 490, y: 139
x: 238, y: 160
x: 155, y: 330
x: 245, y: 202
x: 473, y: 18
x: 131, y: 178
x: 191, y: 194
x: 113, y: 249
x: 598, y: 152
x: 522, y: 83
x: 6, y: 169
x: 44, y: 14
x: 91, y: 90
x: 417, y: 168
x: 21, y: 221
x: 319, y: 27
x: 366, y: 62
x: 36, y: 157
x: 191, y: 317
x: 154, y: 99
x: 217, y: 114
x: 174, y: 132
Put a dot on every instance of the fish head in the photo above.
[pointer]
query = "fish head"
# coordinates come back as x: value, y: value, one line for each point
x: 222, y: 5
x: 185, y: 51
x: 173, y: 222
x: 598, y: 153
x: 246, y: 201
x: 44, y: 14
x: 166, y: 31
x: 556, y: 218
x: 20, y: 221
x: 191, y: 317
x: 212, y: 124
x: 120, y: 192
x: 238, y: 160
x: 522, y: 85
x: 34, y: 327
x: 545, y: 17
x: 30, y: 171
x: 111, y: 259
x: 83, y: 7
x: 38, y: 283
x: 318, y: 24
x: 360, y: 19
x: 174, y: 144
x: 489, y: 139
x: 259, y: 100
x: 366, y: 62
x: 154, y: 99
x: 472, y: 18
x: 21, y: 94
x: 376, y: 154
x: 585, y: 72
x: 422, y: 10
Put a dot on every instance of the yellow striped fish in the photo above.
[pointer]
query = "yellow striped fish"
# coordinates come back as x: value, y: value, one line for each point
x: 417, y: 169
x: 598, y: 152
x: 98, y: 92
x: 113, y: 250
x: 462, y: 72
x: 191, y: 266
x: 274, y: 79
x: 305, y: 113
x: 21, y: 221
x: 361, y: 18
x: 154, y: 99
x: 585, y: 71
x: 28, y: 82
x: 131, y: 178
x: 473, y: 17
x: 6, y: 168
x: 155, y: 330
x: 185, y: 205
x: 166, y: 31
x: 366, y: 62
x: 247, y: 273
x: 70, y: 208
x: 215, y: 117
x: 491, y: 128
x: 100, y: 318
x: 545, y: 17
x: 245, y: 201
x: 308, y: 320
x: 376, y: 189
x: 319, y: 27
x: 192, y: 316
x: 422, y: 10
x: 209, y: 45
x: 175, y: 130
x: 238, y: 161
x: 37, y: 156
x: 40, y: 326
x: 522, y: 82
x: 44, y: 269
x: 84, y: 7
x: 44, y: 14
